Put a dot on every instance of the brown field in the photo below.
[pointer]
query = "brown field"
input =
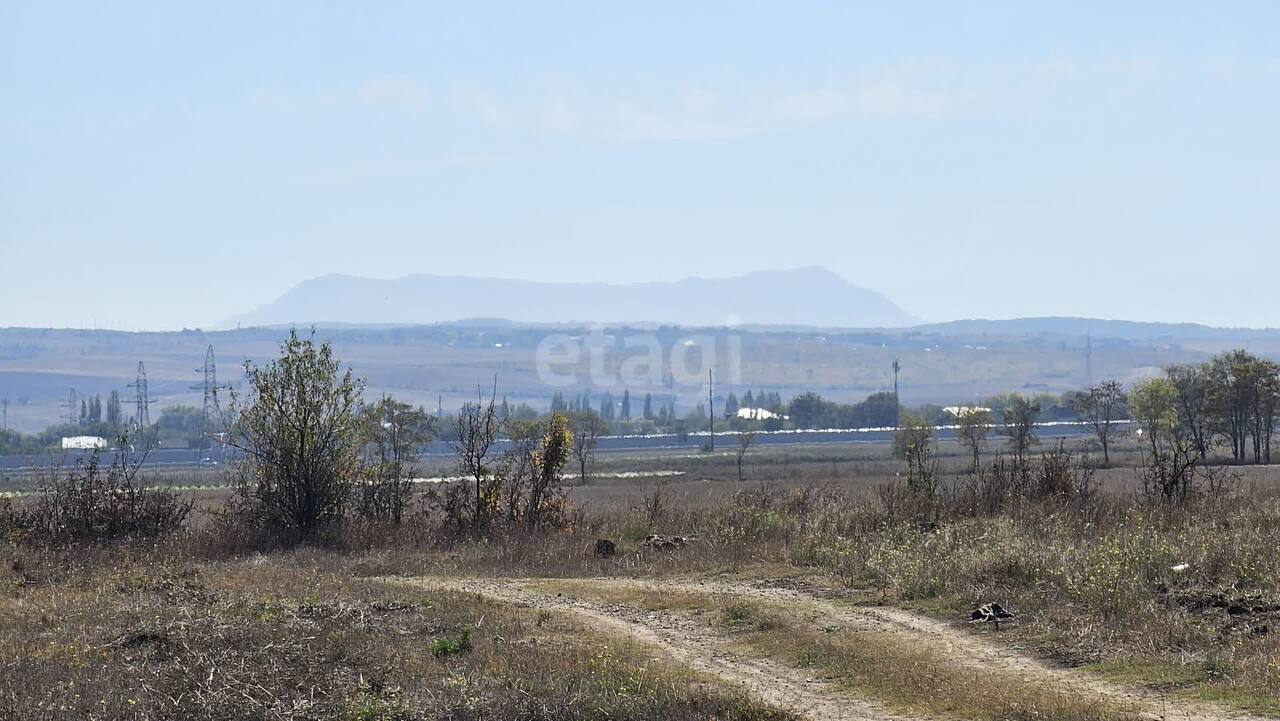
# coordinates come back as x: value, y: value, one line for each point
x: 799, y: 595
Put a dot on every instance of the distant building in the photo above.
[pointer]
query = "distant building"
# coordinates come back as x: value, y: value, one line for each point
x: 758, y: 414
x: 962, y: 411
x: 83, y: 443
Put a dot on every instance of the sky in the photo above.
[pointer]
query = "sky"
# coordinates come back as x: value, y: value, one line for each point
x: 170, y: 165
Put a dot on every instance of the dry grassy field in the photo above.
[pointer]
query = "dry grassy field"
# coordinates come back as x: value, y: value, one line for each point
x: 806, y: 590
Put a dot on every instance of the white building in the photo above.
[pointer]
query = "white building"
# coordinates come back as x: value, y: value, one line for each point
x: 87, y: 443
x: 758, y: 414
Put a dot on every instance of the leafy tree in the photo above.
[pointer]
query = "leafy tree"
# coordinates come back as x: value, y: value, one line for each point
x: 1153, y: 403
x: 547, y: 488
x: 972, y: 427
x: 393, y: 433
x: 809, y: 410
x: 1192, y: 397
x: 731, y: 406
x: 626, y: 405
x: 1020, y: 424
x: 1102, y: 406
x: 115, y: 415
x: 180, y: 425
x: 301, y: 435
x: 648, y: 406
x: 913, y: 434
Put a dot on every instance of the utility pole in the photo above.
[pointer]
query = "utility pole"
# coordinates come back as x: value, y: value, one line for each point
x: 711, y: 405
x: 1088, y: 360
x: 897, y: 404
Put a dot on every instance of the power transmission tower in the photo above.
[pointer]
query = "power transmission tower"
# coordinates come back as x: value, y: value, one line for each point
x: 1088, y: 360
x: 73, y: 409
x: 142, y: 404
x: 711, y: 405
x: 897, y: 404
x: 210, y: 388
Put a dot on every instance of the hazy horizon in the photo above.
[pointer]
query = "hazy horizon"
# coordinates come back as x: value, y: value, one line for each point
x: 171, y: 167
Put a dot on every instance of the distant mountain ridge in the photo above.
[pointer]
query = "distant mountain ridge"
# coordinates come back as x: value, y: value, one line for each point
x: 804, y: 296
x: 1097, y: 327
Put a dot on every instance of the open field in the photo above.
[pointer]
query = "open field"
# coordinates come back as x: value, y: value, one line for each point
x: 441, y: 363
x: 796, y: 597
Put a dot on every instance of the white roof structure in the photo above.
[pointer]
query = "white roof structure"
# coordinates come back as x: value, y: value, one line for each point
x: 83, y: 443
x: 962, y: 411
x: 757, y: 414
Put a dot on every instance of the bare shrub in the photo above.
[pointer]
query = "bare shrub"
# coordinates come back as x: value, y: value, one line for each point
x: 91, y: 502
x: 523, y: 488
x: 393, y: 432
x: 1176, y: 476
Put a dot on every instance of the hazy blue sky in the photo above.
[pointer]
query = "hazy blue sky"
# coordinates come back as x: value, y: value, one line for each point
x: 172, y: 164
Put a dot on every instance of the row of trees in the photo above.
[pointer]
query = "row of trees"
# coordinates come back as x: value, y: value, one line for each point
x: 810, y: 410
x: 1232, y: 400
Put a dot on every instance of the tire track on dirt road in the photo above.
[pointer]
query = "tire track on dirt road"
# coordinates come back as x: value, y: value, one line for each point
x: 714, y: 652
x: 688, y: 643
x: 960, y: 645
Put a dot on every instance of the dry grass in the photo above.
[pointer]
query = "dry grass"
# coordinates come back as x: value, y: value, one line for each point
x: 296, y: 636
x: 902, y: 675
x: 133, y: 633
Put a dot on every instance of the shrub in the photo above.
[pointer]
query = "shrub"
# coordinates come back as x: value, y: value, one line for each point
x: 93, y: 503
x: 451, y: 644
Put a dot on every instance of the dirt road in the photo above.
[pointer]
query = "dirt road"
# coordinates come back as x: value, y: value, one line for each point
x: 712, y: 651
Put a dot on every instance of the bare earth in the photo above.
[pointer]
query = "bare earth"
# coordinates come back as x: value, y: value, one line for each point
x: 712, y: 651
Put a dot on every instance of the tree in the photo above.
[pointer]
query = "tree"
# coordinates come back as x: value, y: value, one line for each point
x: 114, y: 412
x: 1153, y: 403
x: 972, y: 427
x: 548, y: 466
x: 586, y: 428
x: 301, y: 437
x: 1102, y: 406
x: 1192, y: 395
x: 1020, y: 425
x: 393, y: 433
x: 1242, y: 393
x: 731, y: 406
x: 648, y: 406
x: 626, y: 405
x: 476, y: 431
x: 809, y: 410
x: 913, y: 434
x: 745, y: 439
